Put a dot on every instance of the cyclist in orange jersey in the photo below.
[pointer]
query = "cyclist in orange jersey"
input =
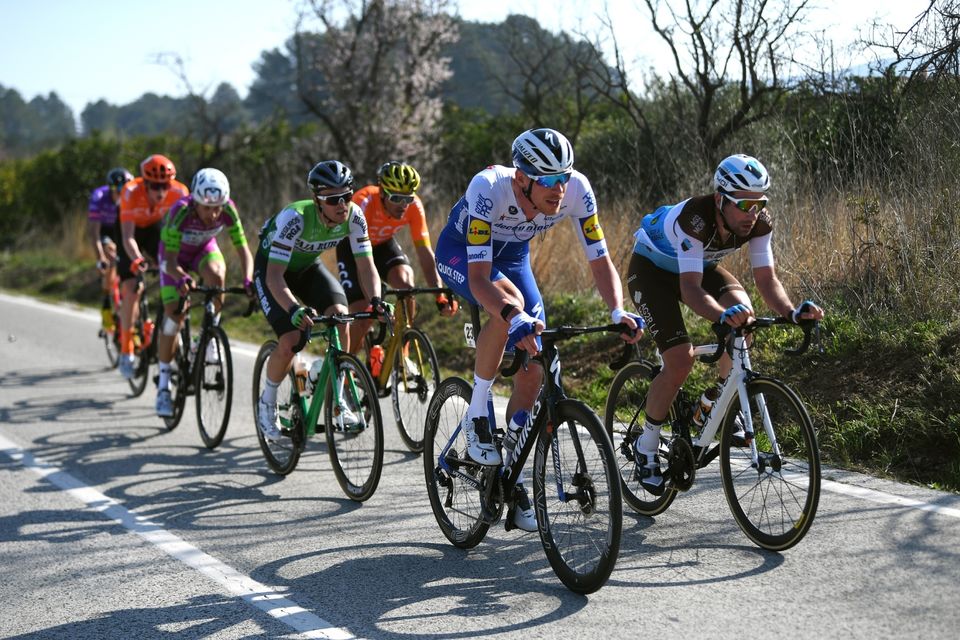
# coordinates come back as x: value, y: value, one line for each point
x: 143, y: 204
x: 388, y: 206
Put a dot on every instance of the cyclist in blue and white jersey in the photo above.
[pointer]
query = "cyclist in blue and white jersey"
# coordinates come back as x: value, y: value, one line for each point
x: 483, y: 254
x: 675, y: 257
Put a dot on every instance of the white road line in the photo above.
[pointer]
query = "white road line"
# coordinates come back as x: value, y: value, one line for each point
x: 235, y: 583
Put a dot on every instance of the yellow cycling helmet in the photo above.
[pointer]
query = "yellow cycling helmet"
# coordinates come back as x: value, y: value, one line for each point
x: 397, y: 177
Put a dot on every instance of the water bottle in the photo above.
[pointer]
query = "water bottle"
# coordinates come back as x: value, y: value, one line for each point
x: 314, y: 374
x: 300, y: 375
x: 376, y: 360
x: 707, y: 400
x: 147, y: 332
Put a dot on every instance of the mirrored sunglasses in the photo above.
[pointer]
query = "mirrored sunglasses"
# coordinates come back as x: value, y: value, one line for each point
x: 551, y: 181
x: 747, y: 205
x: 397, y: 198
x: 336, y: 198
x: 158, y: 186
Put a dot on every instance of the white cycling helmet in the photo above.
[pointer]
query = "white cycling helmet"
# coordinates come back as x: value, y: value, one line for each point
x: 542, y: 152
x: 741, y: 173
x: 210, y: 187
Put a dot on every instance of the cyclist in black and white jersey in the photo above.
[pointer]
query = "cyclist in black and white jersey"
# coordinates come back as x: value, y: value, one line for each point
x: 675, y: 257
x: 483, y: 254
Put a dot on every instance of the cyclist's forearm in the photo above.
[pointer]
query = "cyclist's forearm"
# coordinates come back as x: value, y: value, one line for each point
x: 772, y: 291
x: 129, y: 242
x: 278, y: 286
x: 607, y: 280
x: 695, y: 297
x: 246, y: 262
x: 428, y: 264
x: 369, y: 278
x: 93, y: 231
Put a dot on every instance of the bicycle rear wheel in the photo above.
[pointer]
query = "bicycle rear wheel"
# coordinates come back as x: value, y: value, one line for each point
x: 774, y: 499
x: 213, y: 386
x: 111, y: 342
x: 415, y: 377
x: 179, y: 380
x: 282, y: 456
x: 624, y: 417
x: 457, y: 503
x: 576, y: 488
x: 356, y: 450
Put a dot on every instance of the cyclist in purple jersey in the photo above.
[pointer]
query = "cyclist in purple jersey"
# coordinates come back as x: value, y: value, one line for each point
x: 102, y: 216
x: 188, y: 244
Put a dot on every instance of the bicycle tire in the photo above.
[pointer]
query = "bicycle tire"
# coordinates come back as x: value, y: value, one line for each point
x: 179, y: 380
x: 581, y: 529
x: 111, y: 342
x: 774, y: 503
x: 414, y: 378
x: 213, y: 387
x: 456, y: 504
x: 356, y: 454
x: 624, y: 416
x: 281, y: 456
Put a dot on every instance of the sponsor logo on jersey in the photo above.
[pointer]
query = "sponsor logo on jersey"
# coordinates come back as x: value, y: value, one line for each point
x: 450, y: 272
x: 478, y: 232
x: 473, y: 256
x: 591, y: 229
x: 685, y: 245
x: 697, y: 223
x: 588, y: 203
x: 483, y: 205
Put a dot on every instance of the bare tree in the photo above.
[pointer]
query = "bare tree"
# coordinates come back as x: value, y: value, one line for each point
x: 371, y: 76
x: 930, y: 47
x: 731, y: 63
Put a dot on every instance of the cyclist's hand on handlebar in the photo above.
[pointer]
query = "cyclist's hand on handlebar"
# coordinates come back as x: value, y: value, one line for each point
x: 447, y: 306
x: 184, y: 285
x: 807, y: 310
x: 736, y: 316
x: 301, y: 317
x: 138, y: 266
x: 102, y: 266
x: 523, y: 333
x: 248, y: 288
x: 383, y: 308
x: 632, y: 320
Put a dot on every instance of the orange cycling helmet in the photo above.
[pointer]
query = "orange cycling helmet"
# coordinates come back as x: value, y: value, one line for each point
x: 158, y: 168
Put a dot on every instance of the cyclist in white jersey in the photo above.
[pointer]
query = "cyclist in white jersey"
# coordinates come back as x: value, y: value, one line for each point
x: 675, y: 257
x: 483, y: 254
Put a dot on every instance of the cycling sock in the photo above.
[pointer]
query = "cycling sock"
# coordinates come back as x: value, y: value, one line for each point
x: 126, y: 342
x: 481, y: 391
x: 269, y: 391
x: 164, y: 381
x: 650, y: 438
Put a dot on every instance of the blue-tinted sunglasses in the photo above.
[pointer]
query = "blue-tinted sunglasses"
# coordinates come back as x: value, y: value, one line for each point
x: 551, y: 181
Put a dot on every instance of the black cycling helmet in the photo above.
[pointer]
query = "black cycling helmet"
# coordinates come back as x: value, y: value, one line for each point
x: 329, y: 174
x: 117, y: 177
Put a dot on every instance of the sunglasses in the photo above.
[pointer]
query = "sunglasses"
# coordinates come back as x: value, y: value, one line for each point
x: 747, y: 205
x: 551, y: 181
x: 336, y: 198
x: 158, y: 186
x: 397, y: 198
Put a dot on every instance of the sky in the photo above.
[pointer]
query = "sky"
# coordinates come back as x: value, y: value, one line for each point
x: 102, y: 49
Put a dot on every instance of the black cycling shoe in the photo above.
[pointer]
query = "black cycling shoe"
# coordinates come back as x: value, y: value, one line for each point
x: 649, y: 475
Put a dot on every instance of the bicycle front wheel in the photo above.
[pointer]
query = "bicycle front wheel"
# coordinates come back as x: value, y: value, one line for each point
x: 772, y: 489
x: 576, y: 488
x: 354, y: 428
x: 282, y: 456
x: 415, y: 377
x: 213, y: 385
x: 455, y: 484
x: 624, y: 417
x: 111, y: 342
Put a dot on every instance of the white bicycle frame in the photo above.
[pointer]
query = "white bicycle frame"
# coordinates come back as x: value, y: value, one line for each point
x: 735, y: 386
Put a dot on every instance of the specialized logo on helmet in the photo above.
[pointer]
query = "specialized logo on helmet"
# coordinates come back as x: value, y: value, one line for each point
x: 591, y: 229
x: 478, y: 232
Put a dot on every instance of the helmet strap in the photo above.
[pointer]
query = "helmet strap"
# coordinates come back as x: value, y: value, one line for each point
x: 723, y: 216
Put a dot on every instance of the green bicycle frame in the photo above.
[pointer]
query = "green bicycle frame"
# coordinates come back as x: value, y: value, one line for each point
x: 311, y: 407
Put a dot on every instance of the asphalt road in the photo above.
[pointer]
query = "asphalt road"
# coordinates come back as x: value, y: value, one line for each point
x: 113, y: 527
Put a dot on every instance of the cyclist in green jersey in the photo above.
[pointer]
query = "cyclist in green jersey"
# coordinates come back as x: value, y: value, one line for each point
x: 287, y: 267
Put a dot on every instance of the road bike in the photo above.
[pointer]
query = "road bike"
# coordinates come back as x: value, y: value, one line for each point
x: 576, y: 484
x: 769, y: 458
x: 346, y: 392
x: 203, y: 367
x: 405, y: 367
x: 144, y: 336
x: 111, y: 336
